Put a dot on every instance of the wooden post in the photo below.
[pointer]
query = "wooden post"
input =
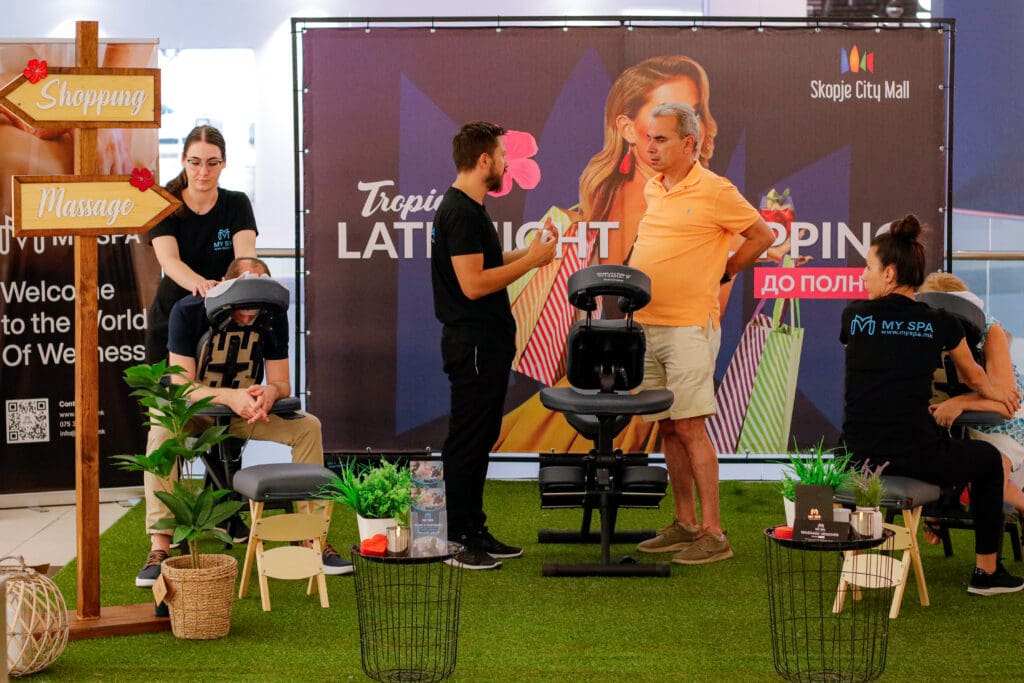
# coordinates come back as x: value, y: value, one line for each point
x: 87, y: 467
x: 144, y: 206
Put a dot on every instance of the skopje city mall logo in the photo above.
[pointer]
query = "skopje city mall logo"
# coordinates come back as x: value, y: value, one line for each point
x: 854, y: 61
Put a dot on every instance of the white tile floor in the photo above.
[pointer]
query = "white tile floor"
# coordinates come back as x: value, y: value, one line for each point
x: 41, y: 527
x: 46, y: 535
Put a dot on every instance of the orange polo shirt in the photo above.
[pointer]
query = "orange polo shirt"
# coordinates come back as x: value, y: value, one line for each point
x: 683, y: 243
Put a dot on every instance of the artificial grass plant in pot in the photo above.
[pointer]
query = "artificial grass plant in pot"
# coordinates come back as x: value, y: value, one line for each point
x: 380, y: 495
x: 817, y: 466
x: 198, y: 588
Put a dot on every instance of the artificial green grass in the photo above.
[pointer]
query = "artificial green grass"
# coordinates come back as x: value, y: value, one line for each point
x: 703, y: 623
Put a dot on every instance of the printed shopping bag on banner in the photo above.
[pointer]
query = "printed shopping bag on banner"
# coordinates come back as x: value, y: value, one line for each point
x: 529, y: 292
x: 769, y: 415
x: 543, y: 359
x: 733, y: 394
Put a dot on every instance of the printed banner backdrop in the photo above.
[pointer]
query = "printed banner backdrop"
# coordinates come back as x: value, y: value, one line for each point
x: 37, y: 298
x: 851, y: 122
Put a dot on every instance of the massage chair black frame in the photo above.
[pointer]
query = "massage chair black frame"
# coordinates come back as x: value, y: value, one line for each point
x: 231, y: 355
x: 605, y: 361
x: 947, y: 511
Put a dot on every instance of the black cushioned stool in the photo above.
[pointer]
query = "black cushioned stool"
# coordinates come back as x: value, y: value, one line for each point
x: 905, y: 496
x: 604, y: 362
x: 279, y: 482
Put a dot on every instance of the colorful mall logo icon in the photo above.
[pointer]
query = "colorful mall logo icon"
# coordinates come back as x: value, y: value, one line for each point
x: 854, y: 60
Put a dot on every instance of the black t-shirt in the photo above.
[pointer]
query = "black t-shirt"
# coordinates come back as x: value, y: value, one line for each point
x: 204, y: 242
x: 188, y: 323
x: 893, y: 345
x: 462, y: 226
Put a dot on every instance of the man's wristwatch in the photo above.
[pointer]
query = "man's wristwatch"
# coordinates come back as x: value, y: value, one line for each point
x: 725, y: 278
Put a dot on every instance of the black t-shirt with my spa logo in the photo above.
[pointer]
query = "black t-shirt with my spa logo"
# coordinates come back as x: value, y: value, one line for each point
x: 893, y: 345
x: 461, y: 227
x: 204, y: 241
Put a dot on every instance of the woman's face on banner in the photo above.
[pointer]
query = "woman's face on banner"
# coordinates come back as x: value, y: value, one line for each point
x: 678, y: 90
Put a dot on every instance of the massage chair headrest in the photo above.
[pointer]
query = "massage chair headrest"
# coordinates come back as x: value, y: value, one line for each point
x: 632, y: 286
x: 972, y: 317
x: 245, y: 291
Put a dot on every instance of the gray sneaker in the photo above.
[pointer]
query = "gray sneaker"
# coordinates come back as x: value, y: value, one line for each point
x: 707, y: 549
x: 676, y: 536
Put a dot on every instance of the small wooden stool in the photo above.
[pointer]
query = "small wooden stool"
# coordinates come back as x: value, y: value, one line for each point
x: 906, y: 497
x: 285, y: 481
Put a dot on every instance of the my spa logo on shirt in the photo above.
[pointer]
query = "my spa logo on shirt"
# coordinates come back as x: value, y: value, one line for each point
x: 223, y: 241
x: 866, y: 324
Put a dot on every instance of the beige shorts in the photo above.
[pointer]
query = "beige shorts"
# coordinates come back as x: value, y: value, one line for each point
x: 682, y: 360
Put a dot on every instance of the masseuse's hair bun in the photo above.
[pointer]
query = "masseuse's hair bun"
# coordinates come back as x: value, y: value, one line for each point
x: 906, y: 229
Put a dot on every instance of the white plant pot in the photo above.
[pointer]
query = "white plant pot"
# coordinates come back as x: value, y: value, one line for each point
x: 790, y: 507
x: 369, y: 527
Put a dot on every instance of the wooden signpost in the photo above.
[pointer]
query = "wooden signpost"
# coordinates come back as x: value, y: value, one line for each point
x: 86, y: 97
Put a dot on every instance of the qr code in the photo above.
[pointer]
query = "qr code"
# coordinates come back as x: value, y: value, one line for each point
x: 28, y: 420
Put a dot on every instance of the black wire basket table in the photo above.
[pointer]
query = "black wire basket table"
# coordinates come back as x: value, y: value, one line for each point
x: 829, y: 615
x: 408, y: 615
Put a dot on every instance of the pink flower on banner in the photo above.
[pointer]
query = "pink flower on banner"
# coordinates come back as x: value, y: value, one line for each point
x: 142, y: 178
x: 35, y: 71
x: 519, y: 147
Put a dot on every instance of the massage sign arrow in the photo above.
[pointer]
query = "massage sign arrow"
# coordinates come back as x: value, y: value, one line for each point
x: 89, y: 205
x: 86, y: 206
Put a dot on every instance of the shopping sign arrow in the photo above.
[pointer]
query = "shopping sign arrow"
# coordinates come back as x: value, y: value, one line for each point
x: 80, y: 97
x: 88, y: 205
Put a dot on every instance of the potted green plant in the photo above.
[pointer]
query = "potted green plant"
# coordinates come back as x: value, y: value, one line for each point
x: 816, y: 466
x: 868, y: 489
x: 379, y: 494
x: 191, y: 581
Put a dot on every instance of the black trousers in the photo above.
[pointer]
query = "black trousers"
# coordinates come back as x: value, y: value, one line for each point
x: 958, y: 462
x: 478, y: 372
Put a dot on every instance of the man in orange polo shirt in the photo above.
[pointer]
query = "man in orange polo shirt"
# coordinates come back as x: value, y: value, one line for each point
x: 683, y: 245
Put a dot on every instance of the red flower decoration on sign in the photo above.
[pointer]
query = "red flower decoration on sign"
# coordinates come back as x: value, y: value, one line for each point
x: 142, y: 178
x: 35, y: 71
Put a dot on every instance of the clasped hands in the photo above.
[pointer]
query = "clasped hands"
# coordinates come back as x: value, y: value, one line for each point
x: 253, y: 403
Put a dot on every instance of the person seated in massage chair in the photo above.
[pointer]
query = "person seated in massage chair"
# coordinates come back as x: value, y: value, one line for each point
x: 187, y: 324
x: 1008, y: 437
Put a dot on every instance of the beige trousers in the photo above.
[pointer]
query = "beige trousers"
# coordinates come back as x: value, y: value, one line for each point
x: 302, y: 434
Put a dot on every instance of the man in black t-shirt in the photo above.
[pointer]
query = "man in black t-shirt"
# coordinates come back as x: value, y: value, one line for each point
x: 470, y: 272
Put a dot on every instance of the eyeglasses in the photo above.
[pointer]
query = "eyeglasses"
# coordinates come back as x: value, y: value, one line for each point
x: 195, y: 162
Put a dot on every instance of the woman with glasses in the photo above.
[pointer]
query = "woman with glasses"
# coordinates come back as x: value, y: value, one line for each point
x: 194, y: 246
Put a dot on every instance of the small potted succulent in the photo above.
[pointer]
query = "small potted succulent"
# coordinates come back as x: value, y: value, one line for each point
x: 817, y: 466
x: 380, y: 495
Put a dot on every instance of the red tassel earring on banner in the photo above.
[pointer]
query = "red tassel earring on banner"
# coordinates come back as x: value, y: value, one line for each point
x: 626, y: 165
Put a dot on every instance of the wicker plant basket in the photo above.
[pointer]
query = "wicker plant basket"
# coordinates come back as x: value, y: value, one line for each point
x: 36, y: 619
x: 200, y: 599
